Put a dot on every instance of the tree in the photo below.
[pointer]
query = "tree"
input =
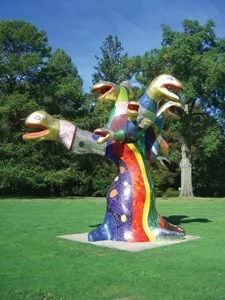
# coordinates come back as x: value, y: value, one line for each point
x: 109, y: 65
x: 23, y: 50
x: 61, y: 85
x: 196, y: 57
x: 32, y: 78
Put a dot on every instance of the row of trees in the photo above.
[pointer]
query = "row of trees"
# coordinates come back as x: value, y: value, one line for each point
x: 33, y: 77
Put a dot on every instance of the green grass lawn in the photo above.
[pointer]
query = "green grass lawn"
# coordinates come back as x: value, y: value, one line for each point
x: 35, y: 264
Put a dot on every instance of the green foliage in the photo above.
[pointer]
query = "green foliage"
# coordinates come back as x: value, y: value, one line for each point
x: 152, y: 64
x: 212, y: 140
x: 209, y: 161
x: 196, y: 57
x: 61, y: 90
x: 103, y: 175
x: 23, y: 49
x: 32, y: 82
x: 108, y: 66
x: 171, y: 193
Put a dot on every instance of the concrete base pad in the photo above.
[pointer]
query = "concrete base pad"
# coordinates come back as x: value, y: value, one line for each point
x: 130, y: 247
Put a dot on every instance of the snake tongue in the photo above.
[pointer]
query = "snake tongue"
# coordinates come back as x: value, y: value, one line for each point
x: 165, y: 89
x: 169, y: 94
x: 100, y: 132
x: 36, y: 134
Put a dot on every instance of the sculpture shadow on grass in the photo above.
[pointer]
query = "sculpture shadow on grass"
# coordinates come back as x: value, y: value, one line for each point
x: 182, y: 219
x: 175, y: 219
x: 93, y: 226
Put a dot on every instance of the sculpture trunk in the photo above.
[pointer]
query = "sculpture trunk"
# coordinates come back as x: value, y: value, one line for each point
x: 131, y: 213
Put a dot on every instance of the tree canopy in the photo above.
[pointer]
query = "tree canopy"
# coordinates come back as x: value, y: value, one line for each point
x: 23, y: 49
x: 33, y: 78
x: 109, y: 65
x: 195, y: 56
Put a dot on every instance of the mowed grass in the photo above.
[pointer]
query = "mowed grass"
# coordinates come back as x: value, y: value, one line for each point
x: 36, y: 264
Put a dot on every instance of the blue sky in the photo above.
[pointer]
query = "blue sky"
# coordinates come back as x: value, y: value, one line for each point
x: 80, y: 26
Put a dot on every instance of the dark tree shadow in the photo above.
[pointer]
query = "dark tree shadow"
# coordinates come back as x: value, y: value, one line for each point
x: 182, y: 219
x: 176, y: 220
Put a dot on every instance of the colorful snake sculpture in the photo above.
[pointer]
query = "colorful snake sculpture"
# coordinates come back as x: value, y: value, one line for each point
x: 131, y: 139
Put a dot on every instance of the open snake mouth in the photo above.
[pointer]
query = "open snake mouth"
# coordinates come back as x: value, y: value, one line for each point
x: 133, y: 106
x: 172, y: 86
x: 100, y: 132
x: 35, y: 134
x: 173, y: 108
x: 103, y: 89
x: 176, y: 111
x: 168, y: 88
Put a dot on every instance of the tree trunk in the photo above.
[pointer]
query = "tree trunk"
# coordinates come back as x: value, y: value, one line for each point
x: 186, y: 171
x: 185, y: 164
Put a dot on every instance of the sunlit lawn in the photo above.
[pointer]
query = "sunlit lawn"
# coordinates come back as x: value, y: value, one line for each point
x: 35, y: 264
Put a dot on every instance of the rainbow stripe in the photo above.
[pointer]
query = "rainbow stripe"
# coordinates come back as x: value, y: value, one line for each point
x: 147, y: 200
x: 141, y: 194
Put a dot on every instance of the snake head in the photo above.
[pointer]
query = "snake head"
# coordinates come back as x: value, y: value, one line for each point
x: 170, y: 109
x: 161, y: 88
x: 104, y: 135
x: 106, y: 90
x: 47, y: 125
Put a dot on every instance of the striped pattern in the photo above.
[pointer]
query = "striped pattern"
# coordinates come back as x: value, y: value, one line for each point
x: 141, y: 194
